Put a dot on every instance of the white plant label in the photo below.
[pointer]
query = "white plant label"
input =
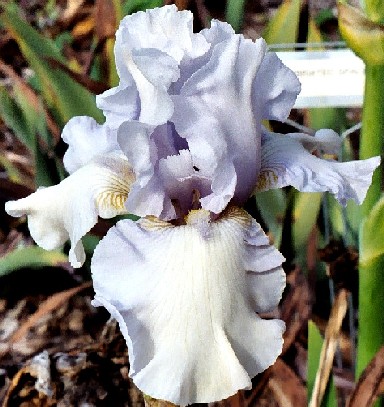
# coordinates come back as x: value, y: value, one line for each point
x: 332, y: 78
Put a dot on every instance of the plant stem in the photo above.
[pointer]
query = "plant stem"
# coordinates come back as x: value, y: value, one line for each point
x: 371, y: 142
x: 371, y: 317
x: 371, y: 276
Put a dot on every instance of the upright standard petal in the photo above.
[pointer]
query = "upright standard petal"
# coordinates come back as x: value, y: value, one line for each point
x: 215, y: 87
x: 287, y: 160
x: 275, y: 89
x: 214, y: 113
x: 70, y: 209
x: 186, y: 300
x: 150, y: 47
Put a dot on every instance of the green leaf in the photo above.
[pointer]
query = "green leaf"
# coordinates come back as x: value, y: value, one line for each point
x: 132, y: 6
x: 284, y: 26
x: 234, y: 13
x: 13, y: 117
x: 371, y: 235
x: 371, y: 138
x: 314, y: 34
x: 62, y: 94
x: 30, y: 257
x: 324, y: 16
x: 12, y: 171
x: 34, y: 115
x: 344, y: 220
x: 26, y: 122
x: 374, y: 9
x: 62, y: 40
x: 364, y: 36
x: 315, y: 342
x: 272, y: 205
x: 305, y: 214
x: 327, y: 118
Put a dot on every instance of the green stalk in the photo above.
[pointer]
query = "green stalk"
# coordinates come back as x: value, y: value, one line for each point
x: 371, y: 288
x: 364, y: 34
x: 371, y: 319
x: 234, y: 13
x: 371, y: 141
x: 371, y: 275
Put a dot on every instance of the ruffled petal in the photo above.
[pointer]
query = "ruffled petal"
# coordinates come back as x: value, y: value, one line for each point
x: 286, y: 161
x: 275, y: 88
x: 167, y: 30
x: 214, y: 113
x: 119, y: 104
x: 70, y: 209
x: 215, y: 87
x: 150, y: 47
x: 185, y: 297
x: 86, y: 139
x: 164, y: 170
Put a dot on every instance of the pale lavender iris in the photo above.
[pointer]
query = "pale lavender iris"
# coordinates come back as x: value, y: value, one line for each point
x: 211, y: 89
x: 183, y: 147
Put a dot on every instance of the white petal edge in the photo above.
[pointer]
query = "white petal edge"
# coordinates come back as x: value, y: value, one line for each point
x: 286, y: 161
x: 182, y: 297
x: 86, y: 140
x: 70, y: 209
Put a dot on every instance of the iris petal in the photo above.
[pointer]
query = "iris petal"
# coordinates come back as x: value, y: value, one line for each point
x: 70, y: 209
x: 275, y: 88
x: 214, y: 87
x: 86, y: 140
x: 119, y: 104
x: 185, y: 302
x: 149, y: 48
x: 286, y: 161
x: 220, y: 133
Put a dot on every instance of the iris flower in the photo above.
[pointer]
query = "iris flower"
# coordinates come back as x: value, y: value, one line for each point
x: 183, y: 147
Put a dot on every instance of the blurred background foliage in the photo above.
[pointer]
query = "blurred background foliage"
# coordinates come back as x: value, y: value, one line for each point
x: 55, y: 56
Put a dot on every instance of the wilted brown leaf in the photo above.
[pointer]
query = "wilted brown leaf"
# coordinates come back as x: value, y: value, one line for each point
x: 371, y: 383
x: 90, y: 84
x: 52, y: 303
x: 150, y: 402
x: 83, y: 27
x: 287, y: 388
x: 328, y: 349
x: 10, y: 190
x: 105, y: 19
x: 296, y: 307
x: 182, y: 4
x: 72, y: 8
x: 342, y: 264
